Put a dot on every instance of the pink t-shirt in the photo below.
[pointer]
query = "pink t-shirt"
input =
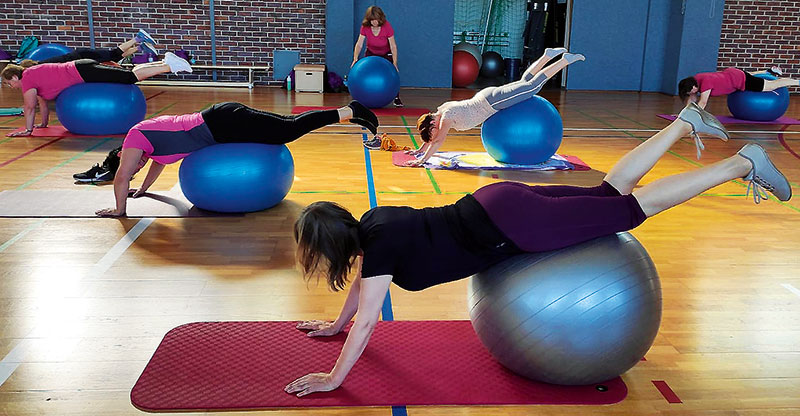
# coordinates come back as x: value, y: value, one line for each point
x: 168, y: 139
x: 378, y: 45
x: 50, y: 79
x: 721, y: 83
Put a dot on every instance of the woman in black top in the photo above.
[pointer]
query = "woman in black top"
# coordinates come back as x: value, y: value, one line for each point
x: 497, y: 221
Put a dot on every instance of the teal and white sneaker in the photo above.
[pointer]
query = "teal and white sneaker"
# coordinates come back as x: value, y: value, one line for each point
x: 143, y: 37
x: 764, y: 175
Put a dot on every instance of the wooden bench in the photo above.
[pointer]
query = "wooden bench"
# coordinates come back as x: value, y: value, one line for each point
x: 249, y: 83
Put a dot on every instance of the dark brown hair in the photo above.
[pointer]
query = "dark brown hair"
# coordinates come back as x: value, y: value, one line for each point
x: 424, y: 125
x: 327, y: 239
x: 373, y: 13
x: 11, y: 69
x: 685, y: 87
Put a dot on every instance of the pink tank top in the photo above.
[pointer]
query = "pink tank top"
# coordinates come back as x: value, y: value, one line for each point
x: 50, y: 79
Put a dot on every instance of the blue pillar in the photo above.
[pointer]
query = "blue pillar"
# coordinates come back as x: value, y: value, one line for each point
x: 91, y: 23
x: 213, y: 40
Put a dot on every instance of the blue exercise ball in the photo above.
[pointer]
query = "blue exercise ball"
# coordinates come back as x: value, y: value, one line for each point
x: 47, y: 51
x: 237, y: 177
x: 100, y: 108
x: 759, y: 106
x: 373, y: 81
x: 580, y: 315
x: 526, y: 133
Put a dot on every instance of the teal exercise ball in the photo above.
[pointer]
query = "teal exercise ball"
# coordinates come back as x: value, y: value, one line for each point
x: 97, y: 108
x: 525, y: 134
x: 373, y: 81
x: 237, y: 177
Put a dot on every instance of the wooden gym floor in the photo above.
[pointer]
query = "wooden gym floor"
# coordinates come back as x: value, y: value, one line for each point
x: 82, y: 307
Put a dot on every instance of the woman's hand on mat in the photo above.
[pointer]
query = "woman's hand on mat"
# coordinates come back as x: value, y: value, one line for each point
x: 415, y: 152
x: 415, y: 162
x: 135, y: 193
x: 20, y: 133
x: 319, y: 328
x: 110, y: 212
x: 311, y: 383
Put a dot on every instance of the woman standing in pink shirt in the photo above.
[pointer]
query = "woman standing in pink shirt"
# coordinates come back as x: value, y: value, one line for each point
x: 379, y: 35
x: 707, y: 84
x: 44, y: 82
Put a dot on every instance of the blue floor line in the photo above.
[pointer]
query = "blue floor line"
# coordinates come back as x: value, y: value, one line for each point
x: 386, y: 309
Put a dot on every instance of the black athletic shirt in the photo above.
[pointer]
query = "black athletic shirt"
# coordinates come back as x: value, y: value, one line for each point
x: 421, y: 248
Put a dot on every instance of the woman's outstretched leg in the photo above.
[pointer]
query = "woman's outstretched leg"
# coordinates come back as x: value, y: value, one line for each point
x: 171, y: 63
x: 627, y: 172
x: 774, y: 84
x: 538, y: 64
x: 558, y: 65
x: 750, y: 163
x: 237, y: 123
x: 515, y: 92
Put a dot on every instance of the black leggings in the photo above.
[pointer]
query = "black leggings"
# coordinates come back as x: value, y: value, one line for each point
x: 91, y: 71
x: 753, y: 83
x: 100, y: 55
x: 238, y: 123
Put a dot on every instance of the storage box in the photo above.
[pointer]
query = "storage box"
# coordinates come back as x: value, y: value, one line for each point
x: 308, y: 78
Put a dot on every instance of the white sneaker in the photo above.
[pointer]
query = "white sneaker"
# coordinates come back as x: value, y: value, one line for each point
x: 176, y: 63
x: 776, y: 70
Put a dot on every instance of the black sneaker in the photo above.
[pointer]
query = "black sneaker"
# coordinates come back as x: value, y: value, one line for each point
x: 96, y: 174
x: 364, y: 116
x: 397, y: 103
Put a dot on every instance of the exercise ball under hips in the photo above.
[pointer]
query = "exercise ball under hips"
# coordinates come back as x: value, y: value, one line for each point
x: 47, y: 51
x: 237, y: 177
x: 373, y: 81
x: 759, y: 106
x: 579, y: 315
x: 525, y: 133
x: 465, y: 68
x: 100, y: 108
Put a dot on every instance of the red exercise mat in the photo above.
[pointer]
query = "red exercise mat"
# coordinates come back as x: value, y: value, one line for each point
x: 245, y: 365
x: 403, y: 111
x: 782, y: 120
x: 59, y: 131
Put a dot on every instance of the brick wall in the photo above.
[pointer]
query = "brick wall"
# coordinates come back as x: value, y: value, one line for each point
x: 246, y: 31
x: 757, y: 34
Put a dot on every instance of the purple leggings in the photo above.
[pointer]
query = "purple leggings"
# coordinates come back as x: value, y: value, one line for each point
x: 543, y: 218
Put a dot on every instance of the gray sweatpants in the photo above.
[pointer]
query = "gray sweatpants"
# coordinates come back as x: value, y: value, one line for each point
x: 516, y: 92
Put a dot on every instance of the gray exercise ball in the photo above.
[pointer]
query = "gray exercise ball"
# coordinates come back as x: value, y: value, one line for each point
x: 579, y: 315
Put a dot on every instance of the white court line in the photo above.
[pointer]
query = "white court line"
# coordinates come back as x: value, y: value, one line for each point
x: 21, y: 234
x: 791, y: 288
x: 14, y: 358
x: 588, y: 129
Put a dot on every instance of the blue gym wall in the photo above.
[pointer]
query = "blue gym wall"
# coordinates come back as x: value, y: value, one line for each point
x: 610, y: 33
x: 423, y: 31
x: 642, y: 45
